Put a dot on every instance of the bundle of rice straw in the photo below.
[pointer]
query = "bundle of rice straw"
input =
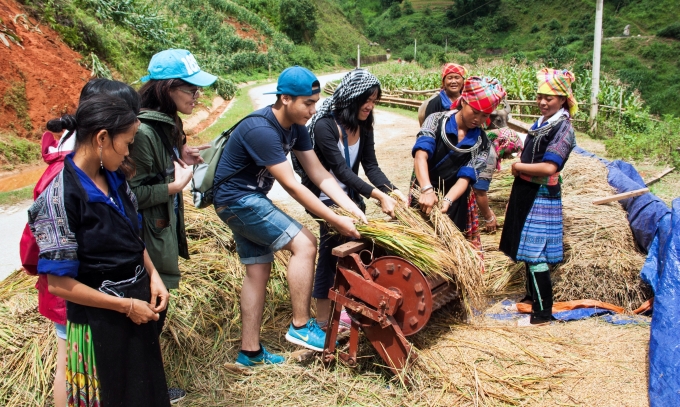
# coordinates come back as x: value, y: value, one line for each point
x: 601, y: 259
x: 433, y: 244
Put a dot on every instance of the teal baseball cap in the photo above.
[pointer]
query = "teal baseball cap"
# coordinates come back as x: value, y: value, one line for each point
x: 296, y: 81
x: 178, y: 64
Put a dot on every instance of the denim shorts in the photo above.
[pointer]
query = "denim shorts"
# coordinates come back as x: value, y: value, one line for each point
x: 61, y: 330
x: 259, y: 227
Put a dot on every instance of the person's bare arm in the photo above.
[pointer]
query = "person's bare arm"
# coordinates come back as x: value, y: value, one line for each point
x: 485, y: 210
x: 284, y: 175
x: 158, y: 290
x: 428, y: 199
x: 455, y: 192
x: 74, y: 291
x: 544, y: 169
x: 325, y: 181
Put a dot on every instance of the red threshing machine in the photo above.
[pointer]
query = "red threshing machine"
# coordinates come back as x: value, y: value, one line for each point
x: 388, y: 298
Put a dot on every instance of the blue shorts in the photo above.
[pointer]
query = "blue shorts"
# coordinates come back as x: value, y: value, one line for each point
x: 260, y: 228
x: 61, y: 330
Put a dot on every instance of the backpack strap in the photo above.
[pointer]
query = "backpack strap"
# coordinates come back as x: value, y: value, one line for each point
x: 160, y: 176
x: 230, y: 130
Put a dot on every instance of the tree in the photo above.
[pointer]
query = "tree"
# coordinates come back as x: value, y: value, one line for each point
x: 395, y: 11
x: 385, y: 4
x: 407, y: 7
x: 467, y: 11
x: 298, y: 20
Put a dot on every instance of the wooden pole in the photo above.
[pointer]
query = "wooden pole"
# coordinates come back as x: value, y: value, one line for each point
x: 658, y: 177
x: 619, y: 197
x: 597, y: 47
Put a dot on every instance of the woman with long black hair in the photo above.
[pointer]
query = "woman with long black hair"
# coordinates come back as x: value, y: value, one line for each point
x: 342, y: 135
x: 87, y: 228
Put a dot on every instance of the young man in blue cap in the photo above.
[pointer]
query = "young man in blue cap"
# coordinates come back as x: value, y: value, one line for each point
x: 257, y: 149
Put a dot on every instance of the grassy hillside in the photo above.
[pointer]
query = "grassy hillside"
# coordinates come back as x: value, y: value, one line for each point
x: 237, y: 39
x: 558, y: 33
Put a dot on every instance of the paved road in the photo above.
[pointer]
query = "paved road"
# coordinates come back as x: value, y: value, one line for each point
x: 12, y: 222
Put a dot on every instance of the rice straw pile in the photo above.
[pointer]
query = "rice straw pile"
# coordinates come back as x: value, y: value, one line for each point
x: 601, y: 260
x: 466, y: 365
x: 28, y: 352
x: 433, y: 244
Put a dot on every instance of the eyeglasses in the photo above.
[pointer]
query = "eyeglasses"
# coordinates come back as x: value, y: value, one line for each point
x: 194, y: 93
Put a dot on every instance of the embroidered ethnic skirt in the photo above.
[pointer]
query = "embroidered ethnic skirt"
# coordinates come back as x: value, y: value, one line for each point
x: 82, y: 384
x: 533, y: 223
x: 541, y: 238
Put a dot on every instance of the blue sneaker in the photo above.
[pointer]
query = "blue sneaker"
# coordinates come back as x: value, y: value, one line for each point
x: 310, y: 336
x: 265, y: 358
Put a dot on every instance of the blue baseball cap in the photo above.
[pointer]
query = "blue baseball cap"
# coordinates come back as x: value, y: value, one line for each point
x: 178, y: 64
x: 296, y: 81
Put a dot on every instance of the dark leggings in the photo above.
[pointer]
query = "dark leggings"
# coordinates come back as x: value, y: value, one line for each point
x: 539, y: 288
x: 324, y: 278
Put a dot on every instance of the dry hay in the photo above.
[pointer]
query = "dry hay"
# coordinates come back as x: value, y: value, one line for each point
x: 462, y: 365
x: 433, y: 244
x: 27, y: 364
x: 601, y: 260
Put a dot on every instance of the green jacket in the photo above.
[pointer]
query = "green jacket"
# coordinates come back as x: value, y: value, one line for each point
x: 162, y: 230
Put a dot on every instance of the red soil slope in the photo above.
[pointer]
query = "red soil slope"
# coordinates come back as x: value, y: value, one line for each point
x: 47, y: 68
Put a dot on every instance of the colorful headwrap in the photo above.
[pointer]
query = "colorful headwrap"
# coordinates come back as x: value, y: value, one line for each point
x: 557, y: 83
x: 483, y: 94
x: 352, y: 85
x: 454, y: 68
x: 505, y: 141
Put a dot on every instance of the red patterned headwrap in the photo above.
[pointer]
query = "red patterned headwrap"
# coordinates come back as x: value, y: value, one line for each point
x: 454, y: 68
x: 483, y: 94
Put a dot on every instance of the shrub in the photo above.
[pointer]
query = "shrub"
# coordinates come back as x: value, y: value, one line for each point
x: 407, y: 8
x: 554, y: 25
x: 298, y: 20
x: 671, y: 31
x: 225, y: 88
x: 15, y: 98
x: 394, y: 11
x: 18, y: 150
x: 647, y: 139
x: 473, y: 7
x: 535, y: 28
x: 572, y: 38
x: 303, y: 55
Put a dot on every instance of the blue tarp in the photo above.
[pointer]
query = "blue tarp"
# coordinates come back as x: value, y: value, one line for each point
x: 573, y: 315
x: 644, y: 211
x: 664, y: 342
x: 657, y: 231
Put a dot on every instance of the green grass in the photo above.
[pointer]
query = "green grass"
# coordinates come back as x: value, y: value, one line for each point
x: 15, y: 150
x: 15, y: 98
x: 16, y: 196
x: 557, y: 34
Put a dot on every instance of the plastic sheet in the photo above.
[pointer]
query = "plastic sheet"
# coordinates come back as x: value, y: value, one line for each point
x: 664, y: 343
x: 644, y: 211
